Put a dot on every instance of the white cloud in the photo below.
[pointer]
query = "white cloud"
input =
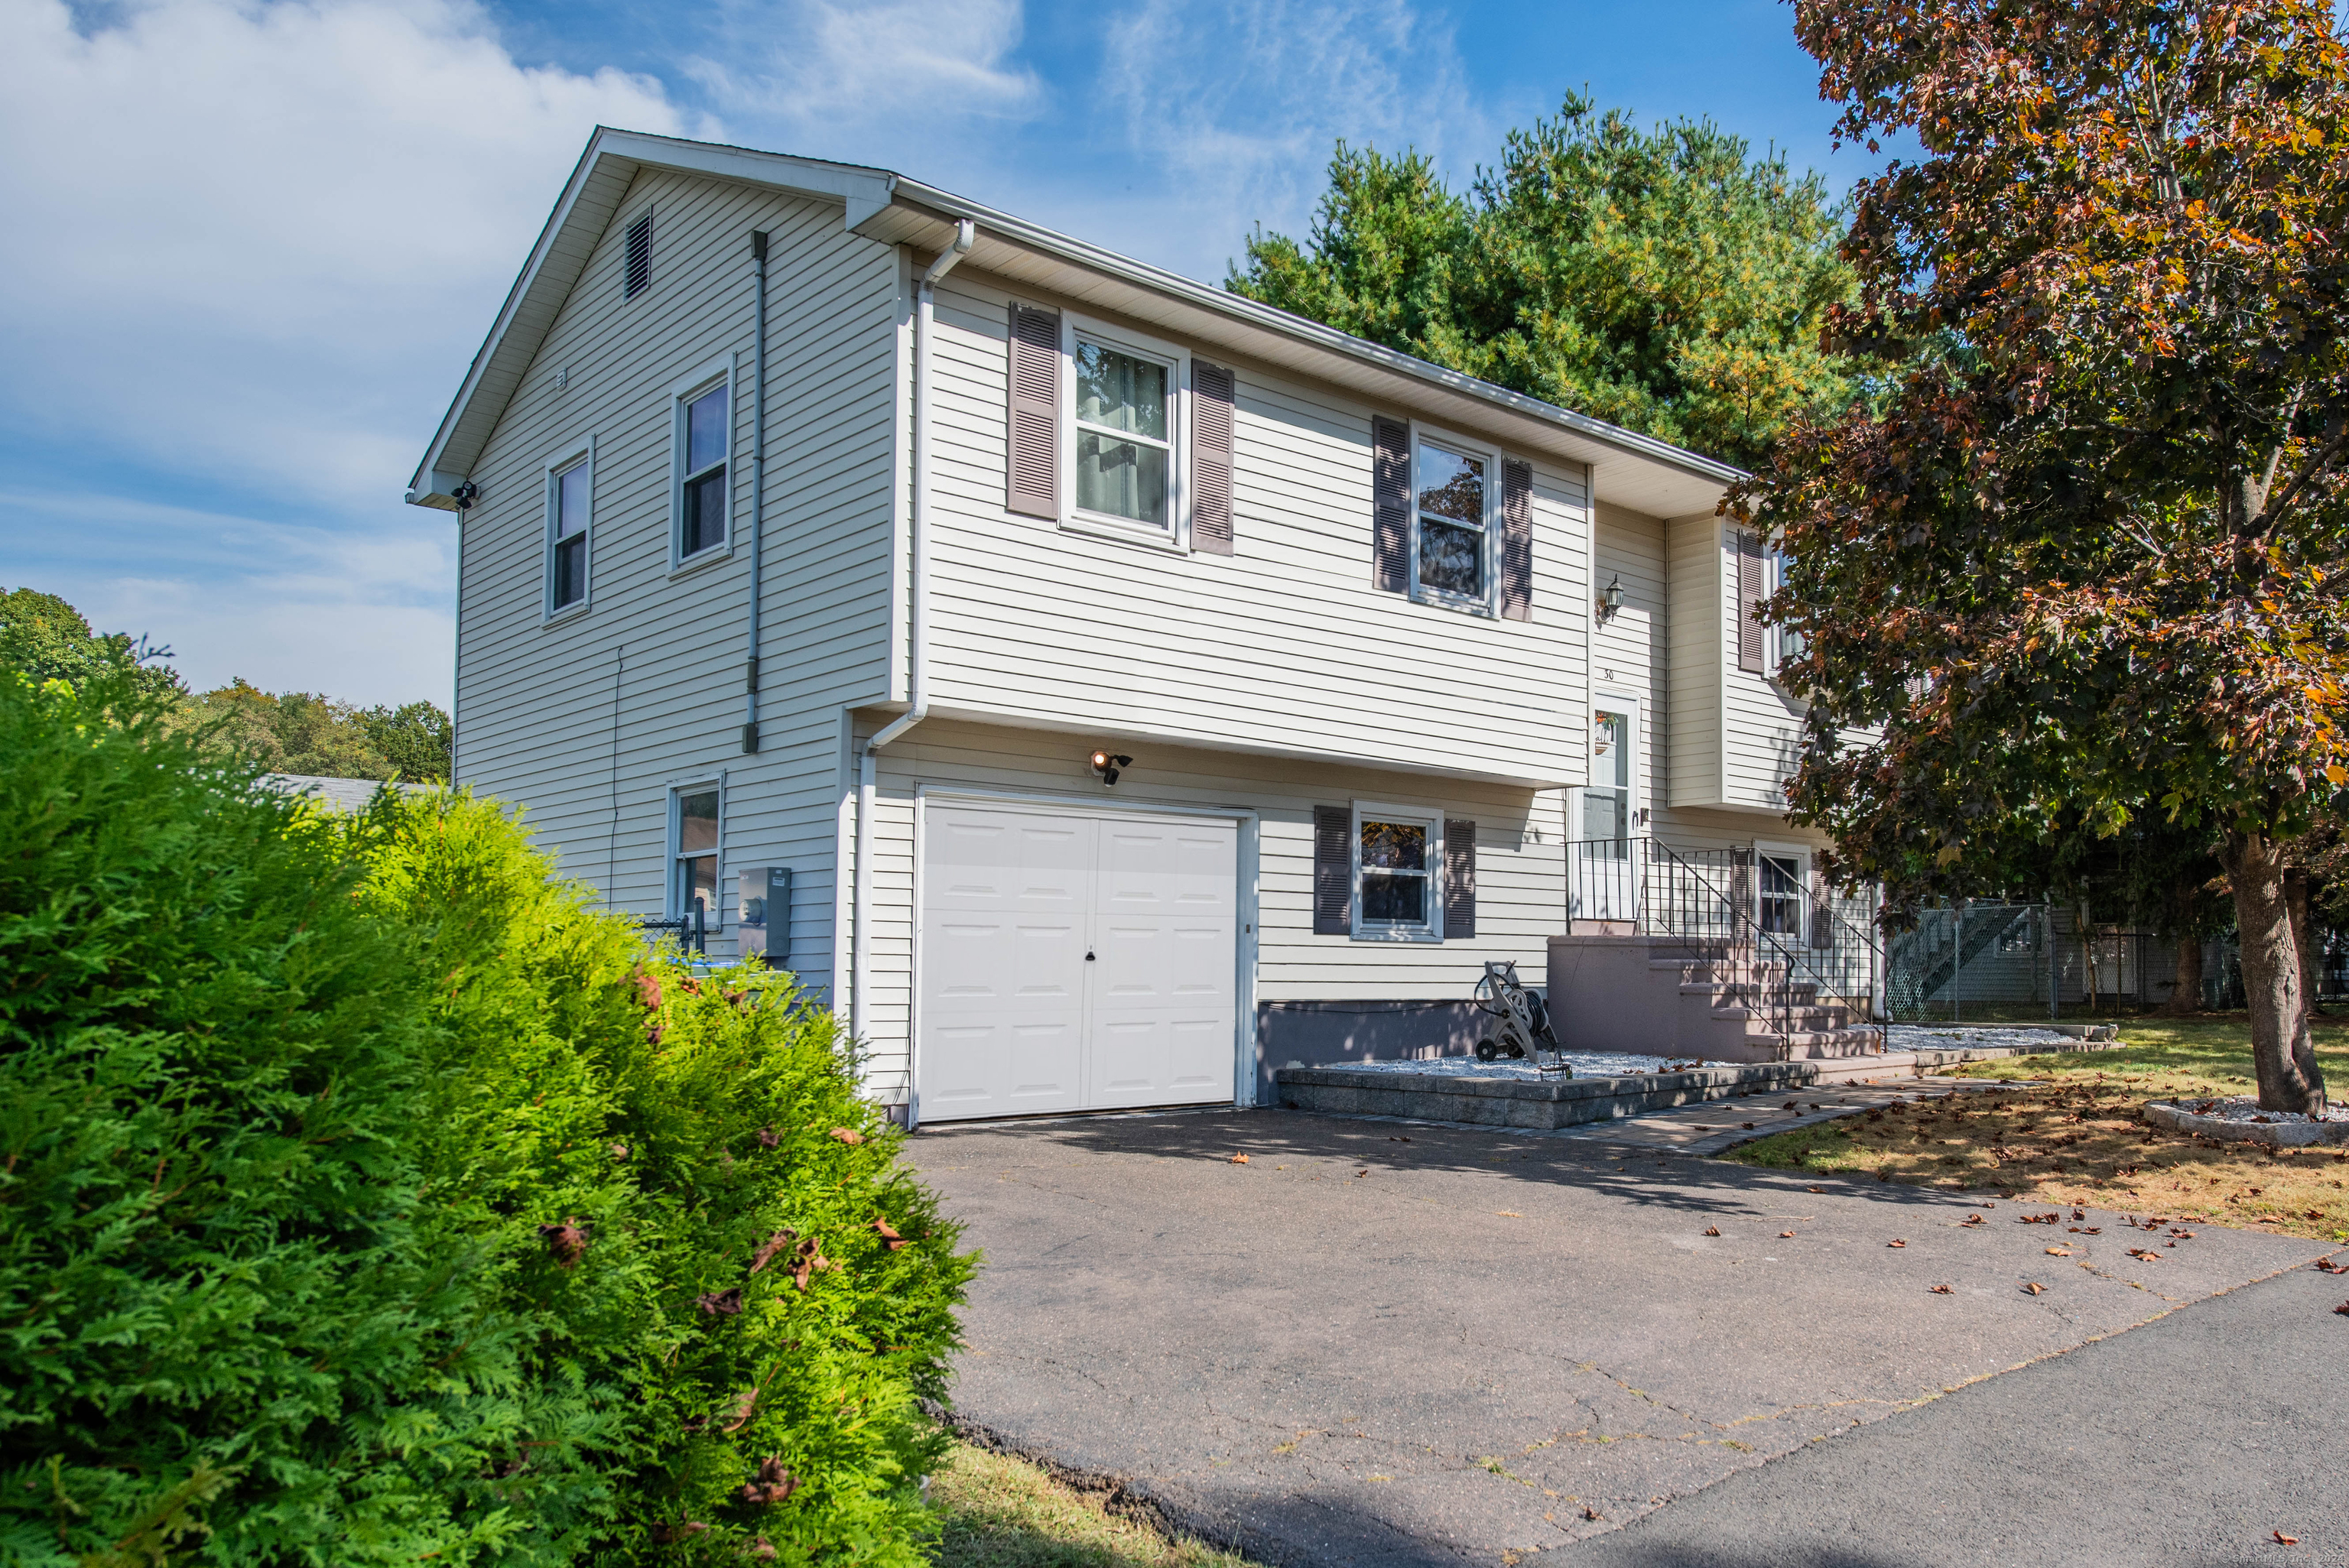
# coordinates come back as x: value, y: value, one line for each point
x: 1239, y: 102
x: 829, y: 72
x: 253, y: 244
x: 268, y: 235
x: 357, y: 615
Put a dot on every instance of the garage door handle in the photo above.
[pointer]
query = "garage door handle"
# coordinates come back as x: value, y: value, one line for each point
x: 1088, y: 958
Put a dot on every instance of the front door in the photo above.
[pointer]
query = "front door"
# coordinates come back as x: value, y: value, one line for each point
x: 1071, y: 962
x: 1605, y: 875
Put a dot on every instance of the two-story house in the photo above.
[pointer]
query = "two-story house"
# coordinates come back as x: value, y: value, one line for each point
x: 1100, y: 687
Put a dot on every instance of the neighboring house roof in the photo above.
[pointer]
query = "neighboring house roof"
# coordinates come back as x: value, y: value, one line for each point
x: 1636, y: 470
x: 342, y: 794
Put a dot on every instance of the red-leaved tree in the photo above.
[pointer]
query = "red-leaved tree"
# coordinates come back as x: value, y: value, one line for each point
x: 2087, y: 571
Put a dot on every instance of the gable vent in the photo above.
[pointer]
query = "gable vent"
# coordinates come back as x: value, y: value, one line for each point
x: 638, y: 275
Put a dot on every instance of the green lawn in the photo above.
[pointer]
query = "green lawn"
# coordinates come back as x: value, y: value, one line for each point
x: 997, y: 1511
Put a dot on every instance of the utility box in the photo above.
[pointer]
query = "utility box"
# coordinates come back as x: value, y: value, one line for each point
x: 764, y: 913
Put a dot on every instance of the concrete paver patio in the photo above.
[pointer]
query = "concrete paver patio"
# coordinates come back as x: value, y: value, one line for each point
x: 1385, y: 1343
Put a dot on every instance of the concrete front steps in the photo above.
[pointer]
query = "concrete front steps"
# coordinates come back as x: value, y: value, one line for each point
x: 1641, y: 993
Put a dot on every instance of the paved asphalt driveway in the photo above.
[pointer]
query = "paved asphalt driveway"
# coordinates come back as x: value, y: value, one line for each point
x: 1355, y: 1349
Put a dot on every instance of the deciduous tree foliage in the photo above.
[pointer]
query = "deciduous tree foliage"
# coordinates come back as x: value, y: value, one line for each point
x: 1666, y: 280
x: 2087, y: 569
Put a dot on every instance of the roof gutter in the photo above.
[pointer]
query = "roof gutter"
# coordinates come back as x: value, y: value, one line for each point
x: 918, y: 592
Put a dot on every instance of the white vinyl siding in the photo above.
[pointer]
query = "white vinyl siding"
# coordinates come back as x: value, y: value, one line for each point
x: 1734, y: 732
x: 1519, y: 863
x: 1284, y: 646
x: 651, y: 684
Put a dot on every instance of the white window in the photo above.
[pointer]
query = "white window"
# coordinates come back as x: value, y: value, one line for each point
x: 1782, y: 877
x: 570, y: 504
x: 1452, y: 507
x: 1398, y: 873
x: 701, y: 445
x: 1124, y: 424
x: 1785, y: 644
x: 694, y: 849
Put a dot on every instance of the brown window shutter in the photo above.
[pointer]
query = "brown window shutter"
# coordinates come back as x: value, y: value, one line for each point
x: 1212, y: 389
x: 1516, y: 540
x: 1032, y: 416
x: 1749, y: 594
x: 1459, y: 878
x: 1333, y: 872
x: 1390, y: 505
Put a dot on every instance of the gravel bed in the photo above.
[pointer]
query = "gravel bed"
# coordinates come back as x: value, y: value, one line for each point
x: 1585, y: 1064
x: 1960, y: 1036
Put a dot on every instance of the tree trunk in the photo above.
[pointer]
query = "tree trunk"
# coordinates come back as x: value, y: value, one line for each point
x: 2303, y: 941
x: 2188, y: 995
x: 2280, y: 1053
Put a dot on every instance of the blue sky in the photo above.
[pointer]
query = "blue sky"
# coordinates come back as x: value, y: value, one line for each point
x: 253, y: 243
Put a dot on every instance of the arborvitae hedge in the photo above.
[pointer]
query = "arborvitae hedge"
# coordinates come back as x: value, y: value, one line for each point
x: 364, y: 1195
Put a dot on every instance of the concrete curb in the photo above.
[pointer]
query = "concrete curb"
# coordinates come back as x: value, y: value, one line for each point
x: 2281, y: 1134
x: 1525, y: 1102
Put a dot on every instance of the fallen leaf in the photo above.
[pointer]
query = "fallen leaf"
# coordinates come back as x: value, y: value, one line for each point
x: 1508, y: 1214
x: 1395, y: 1140
x: 1814, y: 1189
x: 2284, y: 1540
x: 2343, y: 1309
x: 1943, y: 1290
x: 1746, y: 1125
x: 1363, y: 1171
x: 1896, y: 1243
x: 848, y: 1135
x: 773, y: 1484
x: 1972, y: 1220
x: 889, y: 1234
x: 1712, y: 1230
x: 720, y: 1303
x: 1786, y: 1235
x: 2059, y: 1251
x: 1590, y: 1513
x: 1239, y: 1158
x: 619, y: 1153
x: 2035, y: 1289
x: 768, y: 1249
x: 566, y: 1243
x: 769, y: 1138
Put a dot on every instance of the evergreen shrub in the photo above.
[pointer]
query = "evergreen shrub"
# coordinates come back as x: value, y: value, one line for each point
x: 365, y: 1196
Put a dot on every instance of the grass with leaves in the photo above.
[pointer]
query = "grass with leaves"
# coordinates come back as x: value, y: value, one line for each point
x: 999, y: 1511
x: 2078, y: 1134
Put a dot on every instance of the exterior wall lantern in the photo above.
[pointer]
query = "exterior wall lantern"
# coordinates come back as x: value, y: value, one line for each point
x: 1107, y: 764
x: 1611, y: 600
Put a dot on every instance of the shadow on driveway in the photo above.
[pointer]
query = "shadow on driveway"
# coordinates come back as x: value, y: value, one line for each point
x: 1355, y: 1349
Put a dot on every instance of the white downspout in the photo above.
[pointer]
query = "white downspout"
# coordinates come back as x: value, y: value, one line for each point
x: 868, y: 767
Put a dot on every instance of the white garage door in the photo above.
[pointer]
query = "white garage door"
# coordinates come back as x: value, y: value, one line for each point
x: 1074, y: 963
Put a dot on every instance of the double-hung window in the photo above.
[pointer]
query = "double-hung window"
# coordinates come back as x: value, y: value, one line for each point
x: 693, y: 859
x: 704, y: 433
x: 1452, y: 512
x: 1786, y: 643
x: 570, y: 501
x: 1124, y: 418
x: 1398, y: 860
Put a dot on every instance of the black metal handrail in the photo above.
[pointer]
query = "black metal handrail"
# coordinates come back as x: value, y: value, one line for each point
x: 1709, y: 903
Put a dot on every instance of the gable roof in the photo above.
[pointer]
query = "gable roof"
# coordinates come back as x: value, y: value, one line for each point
x: 1635, y: 470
